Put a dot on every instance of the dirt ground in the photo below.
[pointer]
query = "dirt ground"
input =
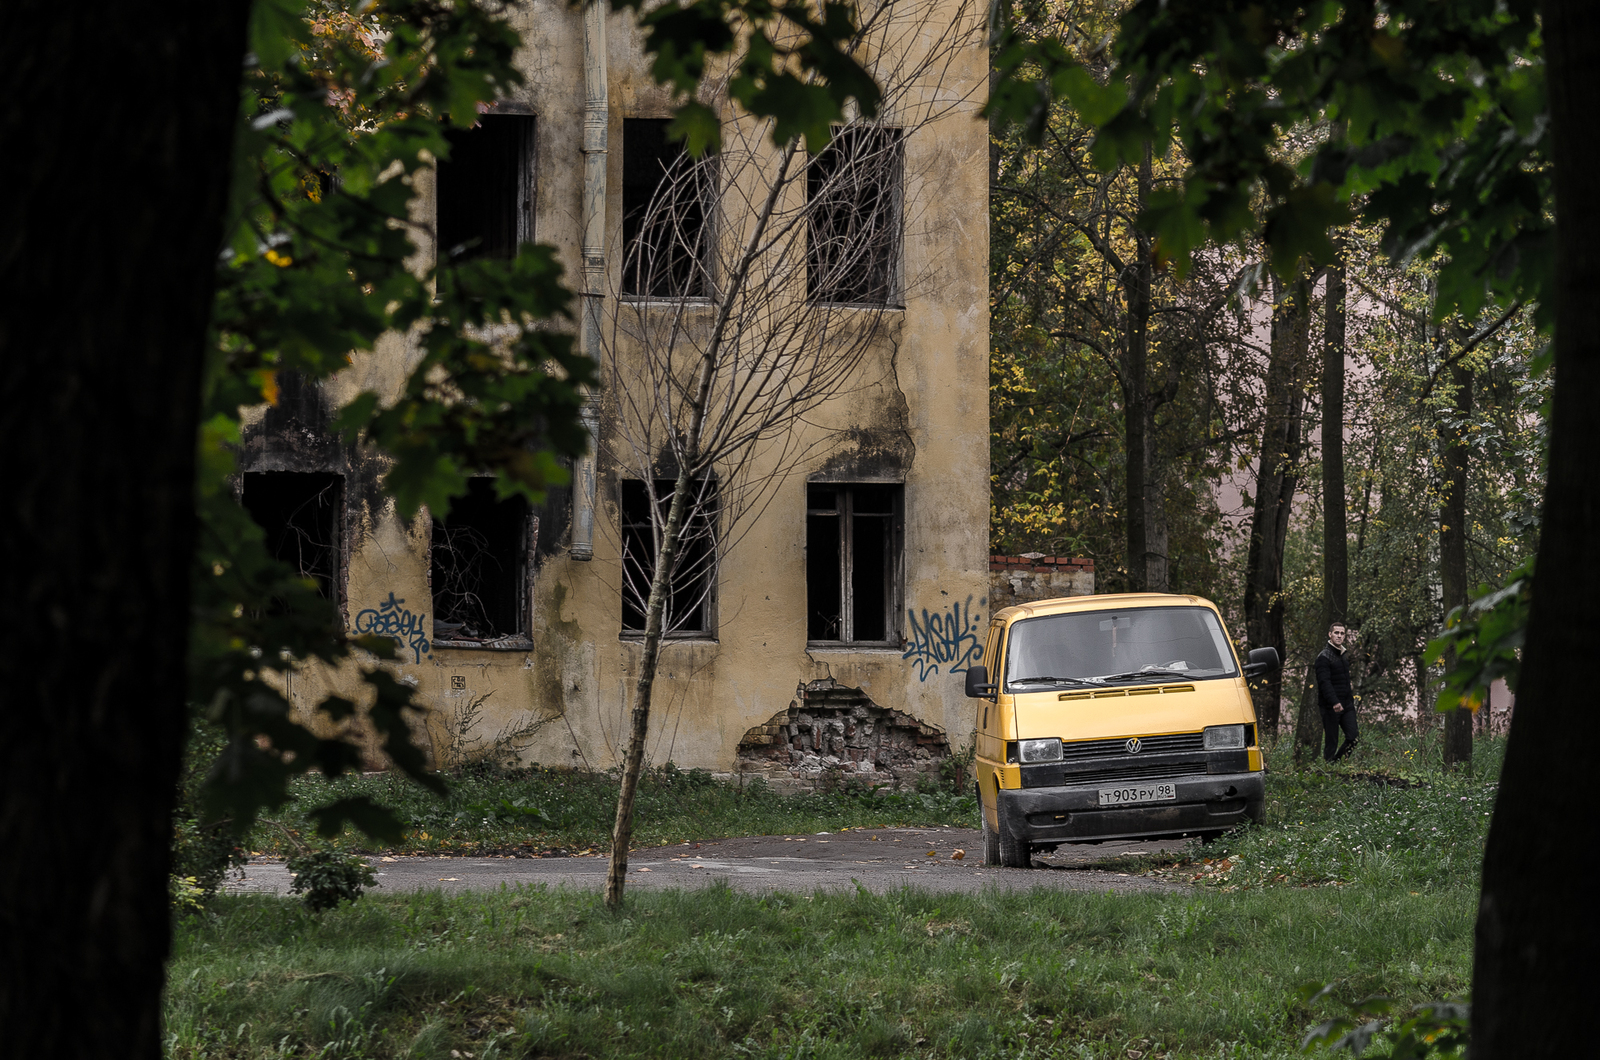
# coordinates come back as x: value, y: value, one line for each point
x: 948, y: 860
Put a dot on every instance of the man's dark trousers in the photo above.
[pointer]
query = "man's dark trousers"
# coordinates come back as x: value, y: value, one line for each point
x: 1331, y: 724
x: 1333, y: 690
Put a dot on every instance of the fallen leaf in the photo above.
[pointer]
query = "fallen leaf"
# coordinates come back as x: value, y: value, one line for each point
x: 957, y: 855
x: 931, y: 854
x: 646, y: 869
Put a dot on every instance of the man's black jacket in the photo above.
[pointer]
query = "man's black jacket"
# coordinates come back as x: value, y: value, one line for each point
x: 1333, y: 679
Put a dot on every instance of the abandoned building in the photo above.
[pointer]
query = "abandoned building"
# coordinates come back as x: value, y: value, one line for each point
x: 836, y: 583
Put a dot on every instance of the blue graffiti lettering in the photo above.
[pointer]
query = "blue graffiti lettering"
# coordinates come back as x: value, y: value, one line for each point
x: 948, y: 640
x: 390, y: 619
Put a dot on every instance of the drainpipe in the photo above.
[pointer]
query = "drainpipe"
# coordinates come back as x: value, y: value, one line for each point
x: 596, y: 118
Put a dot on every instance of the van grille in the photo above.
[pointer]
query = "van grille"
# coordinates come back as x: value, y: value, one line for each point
x: 1057, y: 774
x: 1155, y: 771
x: 1169, y: 744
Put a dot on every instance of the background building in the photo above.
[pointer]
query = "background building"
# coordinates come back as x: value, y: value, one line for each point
x: 836, y: 576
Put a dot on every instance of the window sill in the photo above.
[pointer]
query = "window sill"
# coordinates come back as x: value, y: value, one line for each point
x: 666, y: 301
x: 631, y: 636
x: 514, y: 642
x: 886, y: 307
x: 854, y: 646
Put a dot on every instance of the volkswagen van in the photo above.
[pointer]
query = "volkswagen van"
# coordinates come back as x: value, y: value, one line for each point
x: 1113, y: 717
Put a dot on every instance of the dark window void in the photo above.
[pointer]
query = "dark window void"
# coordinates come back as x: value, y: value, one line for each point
x: 485, y: 189
x: 853, y: 196
x: 852, y: 564
x: 665, y: 235
x: 300, y: 514
x: 480, y: 566
x: 689, y: 595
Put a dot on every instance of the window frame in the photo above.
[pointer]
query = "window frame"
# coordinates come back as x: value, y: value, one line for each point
x: 894, y: 568
x: 523, y: 574
x: 337, y: 581
x: 706, y: 174
x: 526, y: 183
x: 631, y: 524
x: 818, y: 167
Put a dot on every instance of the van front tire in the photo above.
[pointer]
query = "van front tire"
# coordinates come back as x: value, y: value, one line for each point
x: 991, y: 841
x: 1014, y: 852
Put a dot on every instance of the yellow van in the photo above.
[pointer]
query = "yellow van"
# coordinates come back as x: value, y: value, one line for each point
x: 1113, y: 717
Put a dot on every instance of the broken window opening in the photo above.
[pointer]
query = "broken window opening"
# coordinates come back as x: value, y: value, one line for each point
x: 666, y: 198
x: 486, y: 189
x: 853, y: 564
x: 688, y: 610
x: 853, y: 194
x: 300, y: 512
x: 480, y: 568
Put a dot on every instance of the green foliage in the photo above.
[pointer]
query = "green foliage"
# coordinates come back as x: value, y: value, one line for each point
x: 1486, y: 638
x: 785, y: 61
x: 1063, y: 264
x: 324, y: 878
x: 342, y: 108
x: 1434, y: 117
x: 1400, y: 413
x: 1434, y: 1029
x: 204, y: 847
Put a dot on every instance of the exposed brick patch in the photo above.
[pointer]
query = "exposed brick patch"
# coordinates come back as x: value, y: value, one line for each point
x: 832, y: 735
x: 1039, y: 563
x: 1034, y: 576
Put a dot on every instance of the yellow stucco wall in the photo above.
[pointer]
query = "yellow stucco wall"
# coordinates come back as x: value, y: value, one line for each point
x: 923, y: 384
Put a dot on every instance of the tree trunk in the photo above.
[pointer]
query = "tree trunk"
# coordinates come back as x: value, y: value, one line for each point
x: 1453, y: 545
x: 1335, y: 541
x: 1274, y: 493
x: 1535, y: 943
x: 1147, y: 525
x: 117, y: 199
x: 690, y: 460
x: 639, y: 720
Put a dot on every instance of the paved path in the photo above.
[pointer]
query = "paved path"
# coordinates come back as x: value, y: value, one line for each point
x: 880, y: 859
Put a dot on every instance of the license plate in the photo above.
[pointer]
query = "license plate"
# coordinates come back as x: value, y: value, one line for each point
x: 1138, y: 793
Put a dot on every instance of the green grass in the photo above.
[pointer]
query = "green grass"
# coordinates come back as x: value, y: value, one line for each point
x: 492, y: 811
x: 1363, y: 875
x: 713, y: 973
x: 1392, y: 818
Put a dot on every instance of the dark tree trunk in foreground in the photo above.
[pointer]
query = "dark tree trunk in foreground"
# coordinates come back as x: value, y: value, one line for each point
x: 1275, y: 486
x: 1536, y: 936
x: 117, y: 127
x: 1453, y: 544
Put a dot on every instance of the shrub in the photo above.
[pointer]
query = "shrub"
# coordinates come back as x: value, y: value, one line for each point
x: 327, y: 878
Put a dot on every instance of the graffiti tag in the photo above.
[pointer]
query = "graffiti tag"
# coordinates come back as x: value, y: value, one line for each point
x: 390, y: 619
x: 948, y: 640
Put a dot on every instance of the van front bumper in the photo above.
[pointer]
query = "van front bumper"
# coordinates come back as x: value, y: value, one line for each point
x: 1073, y: 814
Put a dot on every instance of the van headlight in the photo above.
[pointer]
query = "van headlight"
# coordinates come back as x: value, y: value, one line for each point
x: 1224, y: 738
x: 1041, y: 750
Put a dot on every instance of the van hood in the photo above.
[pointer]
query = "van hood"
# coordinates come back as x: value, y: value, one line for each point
x: 1130, y: 710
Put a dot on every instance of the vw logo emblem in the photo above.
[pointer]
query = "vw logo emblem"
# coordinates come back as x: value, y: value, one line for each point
x: 1132, y: 746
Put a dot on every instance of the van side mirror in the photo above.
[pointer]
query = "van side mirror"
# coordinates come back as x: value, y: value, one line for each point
x: 978, y: 686
x: 1261, y: 661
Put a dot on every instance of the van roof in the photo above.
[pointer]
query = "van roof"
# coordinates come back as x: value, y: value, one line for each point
x: 1062, y: 605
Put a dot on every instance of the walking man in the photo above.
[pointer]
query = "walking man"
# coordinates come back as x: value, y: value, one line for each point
x: 1334, y: 696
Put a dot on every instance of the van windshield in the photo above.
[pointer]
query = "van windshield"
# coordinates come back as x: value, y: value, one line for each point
x: 1146, y: 644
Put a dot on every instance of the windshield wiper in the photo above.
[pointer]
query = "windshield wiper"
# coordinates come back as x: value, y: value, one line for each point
x: 1052, y: 681
x: 1148, y: 671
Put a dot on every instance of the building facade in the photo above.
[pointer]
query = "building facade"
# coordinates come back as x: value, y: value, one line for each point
x: 835, y: 576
